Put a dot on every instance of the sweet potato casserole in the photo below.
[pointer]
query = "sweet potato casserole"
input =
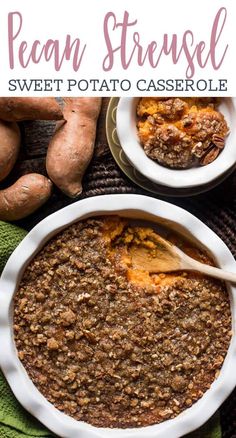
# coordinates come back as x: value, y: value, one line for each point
x: 111, y: 345
x: 181, y: 132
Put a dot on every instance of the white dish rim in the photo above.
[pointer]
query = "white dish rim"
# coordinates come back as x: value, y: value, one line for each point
x: 20, y: 383
x: 174, y: 178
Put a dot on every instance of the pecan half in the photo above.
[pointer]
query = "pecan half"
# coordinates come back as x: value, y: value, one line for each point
x: 210, y: 156
x: 218, y: 141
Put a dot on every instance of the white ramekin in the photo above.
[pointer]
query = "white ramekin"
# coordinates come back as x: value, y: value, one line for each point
x: 126, y: 120
x: 134, y: 206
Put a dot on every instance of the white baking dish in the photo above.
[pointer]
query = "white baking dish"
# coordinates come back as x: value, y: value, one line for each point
x: 134, y: 206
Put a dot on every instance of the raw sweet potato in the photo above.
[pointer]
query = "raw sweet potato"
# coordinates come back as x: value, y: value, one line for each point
x: 24, y: 197
x: 29, y: 108
x: 71, y: 148
x: 9, y: 147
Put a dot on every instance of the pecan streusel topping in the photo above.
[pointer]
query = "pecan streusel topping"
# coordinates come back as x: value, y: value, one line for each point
x: 179, y: 132
x: 112, y: 347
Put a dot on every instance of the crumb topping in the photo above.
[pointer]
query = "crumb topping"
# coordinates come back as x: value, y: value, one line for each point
x: 179, y: 132
x: 111, y: 350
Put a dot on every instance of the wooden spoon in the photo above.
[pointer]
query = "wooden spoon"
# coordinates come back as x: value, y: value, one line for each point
x: 167, y: 257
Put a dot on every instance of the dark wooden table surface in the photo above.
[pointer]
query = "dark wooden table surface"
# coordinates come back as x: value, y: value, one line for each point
x: 217, y: 208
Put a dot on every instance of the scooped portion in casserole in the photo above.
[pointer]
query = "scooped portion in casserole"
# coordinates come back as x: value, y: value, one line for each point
x: 181, y: 132
x: 112, y: 345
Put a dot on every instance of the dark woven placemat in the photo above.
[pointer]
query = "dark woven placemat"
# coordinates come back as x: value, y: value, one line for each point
x: 216, y: 208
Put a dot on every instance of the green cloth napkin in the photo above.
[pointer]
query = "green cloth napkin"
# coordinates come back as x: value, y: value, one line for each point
x: 15, y: 422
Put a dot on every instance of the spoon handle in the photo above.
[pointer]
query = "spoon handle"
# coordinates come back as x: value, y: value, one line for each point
x: 189, y: 263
